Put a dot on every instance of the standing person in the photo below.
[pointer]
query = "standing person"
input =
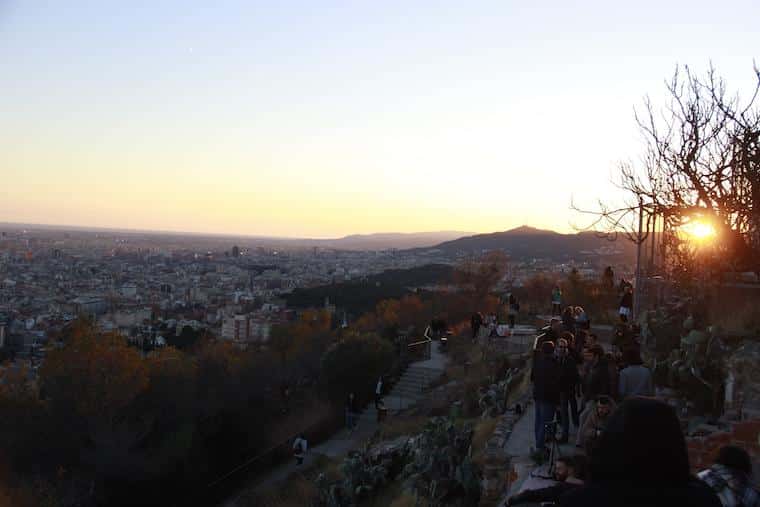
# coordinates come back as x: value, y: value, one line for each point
x: 300, y: 447
x: 612, y: 366
x: 557, y: 301
x: 582, y: 320
x: 514, y: 308
x: 552, y: 333
x: 635, y: 378
x: 596, y: 381
x: 568, y: 319
x: 351, y: 411
x: 626, y: 304
x: 641, y: 461
x: 730, y: 478
x: 568, y: 405
x: 379, y: 392
x: 475, y: 322
x: 545, y: 376
x: 594, y: 424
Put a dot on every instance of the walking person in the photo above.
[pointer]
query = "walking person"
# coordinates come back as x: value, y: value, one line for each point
x: 556, y: 301
x: 379, y: 392
x: 300, y: 447
x: 546, y: 391
x: 351, y: 412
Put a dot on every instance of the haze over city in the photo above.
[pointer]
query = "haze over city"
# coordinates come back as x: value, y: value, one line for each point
x: 321, y: 120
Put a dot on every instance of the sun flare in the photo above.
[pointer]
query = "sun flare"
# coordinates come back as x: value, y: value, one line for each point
x: 698, y: 230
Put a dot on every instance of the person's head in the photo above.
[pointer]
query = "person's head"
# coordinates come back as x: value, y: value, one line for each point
x: 591, y: 339
x: 562, y: 346
x: 603, y: 406
x: 351, y: 395
x: 735, y: 458
x: 579, y: 311
x: 631, y: 356
x: 563, y: 468
x: 568, y: 312
x: 547, y: 348
x: 568, y: 337
x: 642, y: 444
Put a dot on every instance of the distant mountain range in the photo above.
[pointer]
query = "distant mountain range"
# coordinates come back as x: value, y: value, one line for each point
x: 377, y: 241
x: 528, y: 242
x: 385, y: 240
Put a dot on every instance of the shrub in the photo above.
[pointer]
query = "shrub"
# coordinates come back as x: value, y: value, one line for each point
x: 354, y: 365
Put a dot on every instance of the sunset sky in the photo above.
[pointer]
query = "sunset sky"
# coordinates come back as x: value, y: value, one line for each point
x: 314, y: 118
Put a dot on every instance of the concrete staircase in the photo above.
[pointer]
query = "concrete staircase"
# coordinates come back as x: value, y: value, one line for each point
x: 412, y: 385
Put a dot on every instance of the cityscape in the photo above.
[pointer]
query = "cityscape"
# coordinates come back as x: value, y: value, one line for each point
x: 401, y: 254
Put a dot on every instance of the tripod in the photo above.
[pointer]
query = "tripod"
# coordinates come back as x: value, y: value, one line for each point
x: 552, y: 448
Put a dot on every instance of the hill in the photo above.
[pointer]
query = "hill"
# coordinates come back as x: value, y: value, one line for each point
x: 359, y: 296
x: 386, y: 240
x: 527, y: 242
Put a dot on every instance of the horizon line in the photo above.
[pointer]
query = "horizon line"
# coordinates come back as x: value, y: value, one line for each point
x: 130, y: 230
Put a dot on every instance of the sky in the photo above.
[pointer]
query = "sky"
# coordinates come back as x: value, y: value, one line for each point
x: 319, y: 119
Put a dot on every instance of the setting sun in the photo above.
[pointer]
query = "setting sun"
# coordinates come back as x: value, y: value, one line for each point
x: 698, y: 230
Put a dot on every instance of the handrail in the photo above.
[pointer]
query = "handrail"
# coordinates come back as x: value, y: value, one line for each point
x: 423, y: 342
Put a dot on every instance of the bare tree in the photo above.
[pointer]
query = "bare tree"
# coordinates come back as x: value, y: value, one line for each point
x: 701, y: 162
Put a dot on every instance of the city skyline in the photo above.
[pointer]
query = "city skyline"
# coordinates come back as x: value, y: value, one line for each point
x: 299, y: 120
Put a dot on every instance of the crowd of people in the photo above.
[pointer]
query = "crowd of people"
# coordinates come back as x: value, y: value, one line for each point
x: 632, y: 442
x: 641, y: 460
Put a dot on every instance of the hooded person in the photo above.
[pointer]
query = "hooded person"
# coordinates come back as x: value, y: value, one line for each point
x: 731, y: 478
x: 641, y: 461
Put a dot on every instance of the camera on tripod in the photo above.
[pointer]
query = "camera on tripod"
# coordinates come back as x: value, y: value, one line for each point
x: 550, y: 431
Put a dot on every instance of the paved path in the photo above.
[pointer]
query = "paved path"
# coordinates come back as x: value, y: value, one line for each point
x: 520, y: 445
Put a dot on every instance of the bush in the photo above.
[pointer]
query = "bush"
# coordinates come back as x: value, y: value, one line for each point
x: 355, y: 365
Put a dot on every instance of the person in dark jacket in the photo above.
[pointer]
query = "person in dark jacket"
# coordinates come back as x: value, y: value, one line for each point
x: 550, y: 333
x: 568, y: 319
x: 546, y: 390
x: 475, y: 322
x: 514, y: 309
x: 641, y: 461
x: 352, y: 410
x: 626, y: 304
x: 568, y: 405
x: 569, y: 474
x: 731, y: 478
x: 597, y: 380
